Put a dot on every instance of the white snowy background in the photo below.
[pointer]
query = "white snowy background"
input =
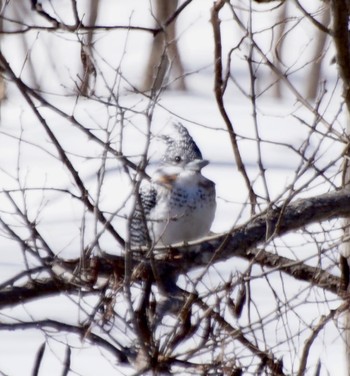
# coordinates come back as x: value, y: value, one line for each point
x: 28, y: 157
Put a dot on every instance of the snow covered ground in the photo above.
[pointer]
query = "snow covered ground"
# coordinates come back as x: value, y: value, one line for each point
x: 28, y: 160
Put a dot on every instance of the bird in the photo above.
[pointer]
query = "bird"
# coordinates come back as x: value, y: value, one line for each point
x: 178, y: 205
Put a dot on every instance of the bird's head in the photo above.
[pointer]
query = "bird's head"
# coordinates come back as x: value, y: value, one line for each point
x: 181, y: 149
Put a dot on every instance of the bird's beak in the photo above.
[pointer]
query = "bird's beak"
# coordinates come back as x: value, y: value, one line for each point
x: 197, y: 164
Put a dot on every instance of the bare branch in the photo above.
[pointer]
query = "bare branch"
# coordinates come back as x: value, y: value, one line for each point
x: 244, y: 240
x: 67, y: 361
x: 318, y: 24
x: 178, y: 11
x: 219, y: 95
x: 31, y: 291
x: 38, y: 360
x: 62, y: 154
x: 120, y: 353
x: 234, y: 308
x: 315, y: 332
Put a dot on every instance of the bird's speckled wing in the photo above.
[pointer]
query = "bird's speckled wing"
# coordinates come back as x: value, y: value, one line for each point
x: 138, y: 228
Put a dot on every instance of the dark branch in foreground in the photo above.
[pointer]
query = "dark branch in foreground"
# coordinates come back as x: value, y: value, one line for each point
x: 243, y: 241
x: 240, y: 242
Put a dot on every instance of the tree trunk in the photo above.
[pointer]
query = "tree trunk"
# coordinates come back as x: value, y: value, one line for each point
x: 164, y: 53
x: 2, y: 82
x: 340, y: 25
x: 89, y: 71
x: 278, y: 50
x: 315, y: 74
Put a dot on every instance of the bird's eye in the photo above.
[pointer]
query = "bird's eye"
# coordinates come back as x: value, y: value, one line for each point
x: 177, y: 159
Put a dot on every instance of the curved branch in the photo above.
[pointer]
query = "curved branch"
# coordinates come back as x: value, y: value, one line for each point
x: 219, y: 90
x: 172, y: 17
x: 244, y: 240
x: 240, y: 242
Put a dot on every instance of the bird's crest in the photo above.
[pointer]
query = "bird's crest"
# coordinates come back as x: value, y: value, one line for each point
x: 181, y: 147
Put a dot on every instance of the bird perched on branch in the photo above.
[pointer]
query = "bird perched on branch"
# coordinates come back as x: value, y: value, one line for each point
x: 179, y: 204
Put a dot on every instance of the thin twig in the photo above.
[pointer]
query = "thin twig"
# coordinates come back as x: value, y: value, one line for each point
x: 62, y: 154
x: 219, y: 96
x: 324, y: 320
x: 38, y: 359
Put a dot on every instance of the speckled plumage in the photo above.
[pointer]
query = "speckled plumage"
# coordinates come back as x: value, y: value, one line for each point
x: 178, y: 205
x: 180, y: 146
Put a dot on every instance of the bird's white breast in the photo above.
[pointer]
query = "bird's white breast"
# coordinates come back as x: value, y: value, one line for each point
x: 185, y: 209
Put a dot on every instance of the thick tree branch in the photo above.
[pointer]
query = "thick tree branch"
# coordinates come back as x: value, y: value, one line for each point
x: 281, y: 220
x: 240, y: 242
x: 243, y: 241
x: 14, y: 295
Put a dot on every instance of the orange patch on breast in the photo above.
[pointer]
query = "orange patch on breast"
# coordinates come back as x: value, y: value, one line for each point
x: 166, y: 179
